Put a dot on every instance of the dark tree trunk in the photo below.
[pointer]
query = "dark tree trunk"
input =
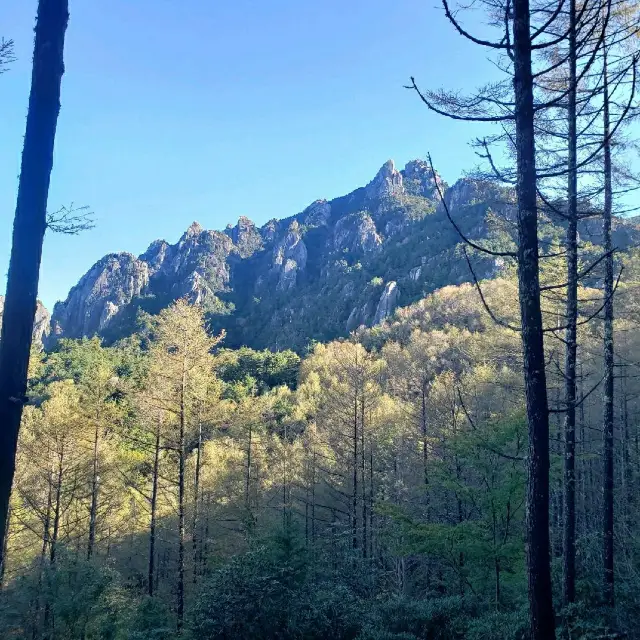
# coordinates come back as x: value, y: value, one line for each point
x: 363, y: 466
x: 196, y: 504
x: 53, y: 543
x: 28, y: 234
x: 57, y: 506
x: 538, y: 561
x: 247, y: 484
x: 571, y: 312
x: 354, y: 506
x: 3, y: 557
x: 627, y: 475
x: 425, y: 444
x: 181, y: 459
x: 93, y: 512
x: 607, y: 426
x: 153, y: 507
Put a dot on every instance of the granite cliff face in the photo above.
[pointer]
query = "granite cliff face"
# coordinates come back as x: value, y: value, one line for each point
x: 335, y: 266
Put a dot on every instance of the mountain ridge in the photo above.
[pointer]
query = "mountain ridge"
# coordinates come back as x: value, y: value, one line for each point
x: 318, y: 274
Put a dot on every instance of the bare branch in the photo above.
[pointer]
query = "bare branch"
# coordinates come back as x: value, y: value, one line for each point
x: 71, y: 220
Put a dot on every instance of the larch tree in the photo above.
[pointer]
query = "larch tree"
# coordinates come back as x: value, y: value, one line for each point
x: 180, y: 377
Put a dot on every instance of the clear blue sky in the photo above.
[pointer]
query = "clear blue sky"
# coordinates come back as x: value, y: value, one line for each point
x: 182, y: 110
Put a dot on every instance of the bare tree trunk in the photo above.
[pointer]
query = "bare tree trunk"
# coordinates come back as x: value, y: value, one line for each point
x: 53, y: 542
x: 571, y: 312
x: 181, y: 457
x: 425, y: 445
x: 607, y: 427
x: 153, y: 507
x: 247, y: 484
x: 627, y: 476
x: 196, y: 498
x: 28, y: 234
x: 363, y: 466
x: 94, y: 493
x: 3, y: 553
x: 354, y: 515
x: 538, y: 561
x: 371, y: 494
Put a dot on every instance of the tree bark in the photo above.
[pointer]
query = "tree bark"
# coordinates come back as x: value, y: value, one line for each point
x: 607, y: 428
x: 181, y: 457
x: 93, y: 511
x: 542, y: 622
x: 571, y: 312
x: 28, y: 234
x: 354, y: 515
x: 363, y: 466
x: 196, y: 497
x: 153, y: 507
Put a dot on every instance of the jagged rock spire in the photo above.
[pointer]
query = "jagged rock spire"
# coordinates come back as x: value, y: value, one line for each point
x: 386, y: 184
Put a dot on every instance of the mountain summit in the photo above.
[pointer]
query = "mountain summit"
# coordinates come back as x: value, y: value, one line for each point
x: 319, y: 274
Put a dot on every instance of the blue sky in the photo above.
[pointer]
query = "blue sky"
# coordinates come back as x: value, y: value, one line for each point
x: 201, y: 110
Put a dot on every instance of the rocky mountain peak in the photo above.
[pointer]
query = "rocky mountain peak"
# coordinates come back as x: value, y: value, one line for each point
x: 195, y: 229
x: 312, y: 275
x: 245, y: 236
x: 386, y: 184
x: 419, y: 180
x: 110, y: 285
x: 317, y: 213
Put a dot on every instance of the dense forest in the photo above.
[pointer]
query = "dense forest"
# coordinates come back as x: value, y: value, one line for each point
x: 467, y: 466
x: 374, y: 488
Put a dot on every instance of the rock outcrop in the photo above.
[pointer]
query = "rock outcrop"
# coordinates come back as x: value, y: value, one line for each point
x: 314, y: 275
x: 387, y: 303
x: 386, y: 184
x: 356, y: 233
x: 101, y: 293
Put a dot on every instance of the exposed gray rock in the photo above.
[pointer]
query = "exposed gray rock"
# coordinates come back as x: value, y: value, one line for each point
x: 356, y: 233
x: 40, y: 324
x: 289, y: 258
x: 387, y: 303
x: 245, y: 236
x: 418, y: 180
x: 317, y: 214
x: 386, y: 184
x: 199, y: 252
x: 352, y: 320
x: 156, y: 255
x: 100, y: 294
x: 271, y: 285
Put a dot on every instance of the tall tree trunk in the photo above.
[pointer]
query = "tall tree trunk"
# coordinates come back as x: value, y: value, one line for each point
x: 569, y: 529
x: 607, y: 426
x: 371, y: 494
x: 53, y: 543
x: 93, y: 512
x: 3, y: 553
x: 28, y: 234
x: 354, y: 506
x: 542, y: 621
x: 425, y: 445
x: 247, y: 484
x: 363, y: 466
x: 57, y: 505
x: 627, y: 476
x: 196, y: 498
x: 153, y: 507
x: 181, y: 457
